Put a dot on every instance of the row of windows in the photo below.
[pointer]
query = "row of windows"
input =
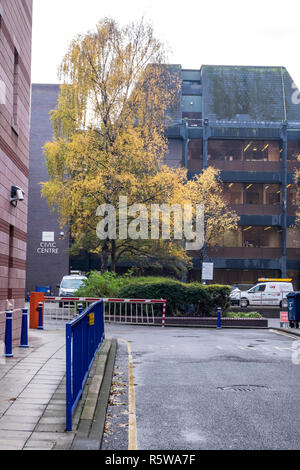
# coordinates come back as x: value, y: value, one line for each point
x: 258, y: 237
x: 243, y: 150
x: 250, y: 193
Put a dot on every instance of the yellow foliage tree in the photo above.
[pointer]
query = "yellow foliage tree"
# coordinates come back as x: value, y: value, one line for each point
x: 109, y: 142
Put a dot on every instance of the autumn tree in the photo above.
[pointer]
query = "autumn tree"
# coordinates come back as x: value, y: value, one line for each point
x: 109, y: 142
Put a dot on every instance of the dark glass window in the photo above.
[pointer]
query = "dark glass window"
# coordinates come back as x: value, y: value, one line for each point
x: 247, y: 150
x: 293, y: 150
x: 195, y: 149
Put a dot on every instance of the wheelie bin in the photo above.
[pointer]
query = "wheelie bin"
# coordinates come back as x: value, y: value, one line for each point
x: 293, y: 299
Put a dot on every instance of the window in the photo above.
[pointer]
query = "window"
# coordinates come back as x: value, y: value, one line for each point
x: 292, y: 197
x: 272, y: 194
x: 195, y: 149
x: 246, y: 150
x: 261, y: 237
x: 261, y: 150
x: 293, y: 150
x: 253, y: 193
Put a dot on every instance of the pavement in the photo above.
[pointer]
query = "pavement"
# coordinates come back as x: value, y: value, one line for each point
x: 33, y: 400
x: 33, y: 397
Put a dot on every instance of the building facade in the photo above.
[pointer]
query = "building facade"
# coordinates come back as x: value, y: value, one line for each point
x: 47, y: 250
x: 244, y: 121
x: 15, y: 73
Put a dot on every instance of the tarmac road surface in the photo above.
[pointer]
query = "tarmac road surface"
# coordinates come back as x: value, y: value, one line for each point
x: 211, y: 389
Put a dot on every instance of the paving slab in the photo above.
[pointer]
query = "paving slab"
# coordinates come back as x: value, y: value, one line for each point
x: 33, y: 397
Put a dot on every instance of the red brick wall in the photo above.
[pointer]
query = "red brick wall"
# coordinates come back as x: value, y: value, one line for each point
x: 15, y: 34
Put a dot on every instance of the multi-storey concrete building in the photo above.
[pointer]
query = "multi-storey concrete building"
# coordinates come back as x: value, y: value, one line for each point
x: 15, y: 67
x: 244, y: 121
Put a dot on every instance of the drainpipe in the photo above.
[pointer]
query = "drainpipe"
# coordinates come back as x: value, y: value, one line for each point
x: 284, y: 199
x: 206, y: 132
x: 185, y: 135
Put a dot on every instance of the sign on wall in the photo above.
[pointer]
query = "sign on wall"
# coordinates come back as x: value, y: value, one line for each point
x: 207, y: 271
x: 48, y: 244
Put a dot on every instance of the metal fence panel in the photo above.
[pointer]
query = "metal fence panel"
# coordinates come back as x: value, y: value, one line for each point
x: 84, y: 336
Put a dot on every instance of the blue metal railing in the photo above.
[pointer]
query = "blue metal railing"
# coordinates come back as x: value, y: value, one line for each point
x: 84, y: 335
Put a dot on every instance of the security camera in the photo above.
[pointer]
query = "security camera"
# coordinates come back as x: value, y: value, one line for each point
x: 17, y: 194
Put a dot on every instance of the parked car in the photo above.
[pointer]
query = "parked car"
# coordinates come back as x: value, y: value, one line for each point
x: 70, y: 284
x: 269, y: 292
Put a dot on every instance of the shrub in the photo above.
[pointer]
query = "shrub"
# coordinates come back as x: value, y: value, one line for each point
x: 243, y: 315
x: 189, y: 299
x: 192, y: 299
x: 102, y: 285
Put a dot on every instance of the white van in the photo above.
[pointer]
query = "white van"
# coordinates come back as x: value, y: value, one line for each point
x: 266, y: 292
x: 70, y: 284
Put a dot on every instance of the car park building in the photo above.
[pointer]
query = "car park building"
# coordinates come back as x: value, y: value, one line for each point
x: 244, y: 121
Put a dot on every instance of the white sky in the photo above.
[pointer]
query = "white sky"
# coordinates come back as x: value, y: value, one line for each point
x: 225, y: 32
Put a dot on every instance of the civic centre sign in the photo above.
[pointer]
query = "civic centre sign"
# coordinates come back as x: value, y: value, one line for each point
x: 48, y: 244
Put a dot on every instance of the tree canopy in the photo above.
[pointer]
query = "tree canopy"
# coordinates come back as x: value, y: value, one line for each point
x: 109, y: 142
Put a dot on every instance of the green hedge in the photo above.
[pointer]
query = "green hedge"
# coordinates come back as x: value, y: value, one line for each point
x: 192, y: 299
x: 243, y: 315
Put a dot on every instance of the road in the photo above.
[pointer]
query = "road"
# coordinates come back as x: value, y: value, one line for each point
x: 210, y: 389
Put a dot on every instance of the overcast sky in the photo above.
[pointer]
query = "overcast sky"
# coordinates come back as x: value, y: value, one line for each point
x: 225, y: 32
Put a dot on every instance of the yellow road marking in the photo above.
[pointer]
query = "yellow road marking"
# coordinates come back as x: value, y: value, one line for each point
x: 132, y: 439
x: 283, y: 333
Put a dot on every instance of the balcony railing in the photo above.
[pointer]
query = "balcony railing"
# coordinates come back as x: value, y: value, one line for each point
x: 243, y: 252
x: 293, y: 253
x: 240, y: 165
x: 257, y: 209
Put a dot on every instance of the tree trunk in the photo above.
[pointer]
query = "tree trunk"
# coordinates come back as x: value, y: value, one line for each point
x: 104, y: 257
x: 113, y: 256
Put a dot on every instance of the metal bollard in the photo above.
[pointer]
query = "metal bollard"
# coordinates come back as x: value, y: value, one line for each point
x: 8, y: 334
x: 219, y: 323
x: 80, y: 308
x: 24, y: 330
x: 41, y: 326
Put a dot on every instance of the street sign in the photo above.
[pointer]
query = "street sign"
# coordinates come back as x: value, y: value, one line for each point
x: 284, y: 317
x: 207, y: 271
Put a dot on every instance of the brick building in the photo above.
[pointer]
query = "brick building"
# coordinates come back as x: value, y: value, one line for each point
x: 46, y: 246
x: 15, y: 72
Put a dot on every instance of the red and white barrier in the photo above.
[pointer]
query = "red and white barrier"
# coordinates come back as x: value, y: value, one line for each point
x: 112, y: 301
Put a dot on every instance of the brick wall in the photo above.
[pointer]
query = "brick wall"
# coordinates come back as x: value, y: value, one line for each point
x: 15, y: 66
x: 40, y: 218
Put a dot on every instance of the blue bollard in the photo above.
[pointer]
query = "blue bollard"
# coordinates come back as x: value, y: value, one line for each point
x: 8, y: 334
x: 80, y: 309
x: 219, y: 325
x: 41, y: 326
x: 24, y: 330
